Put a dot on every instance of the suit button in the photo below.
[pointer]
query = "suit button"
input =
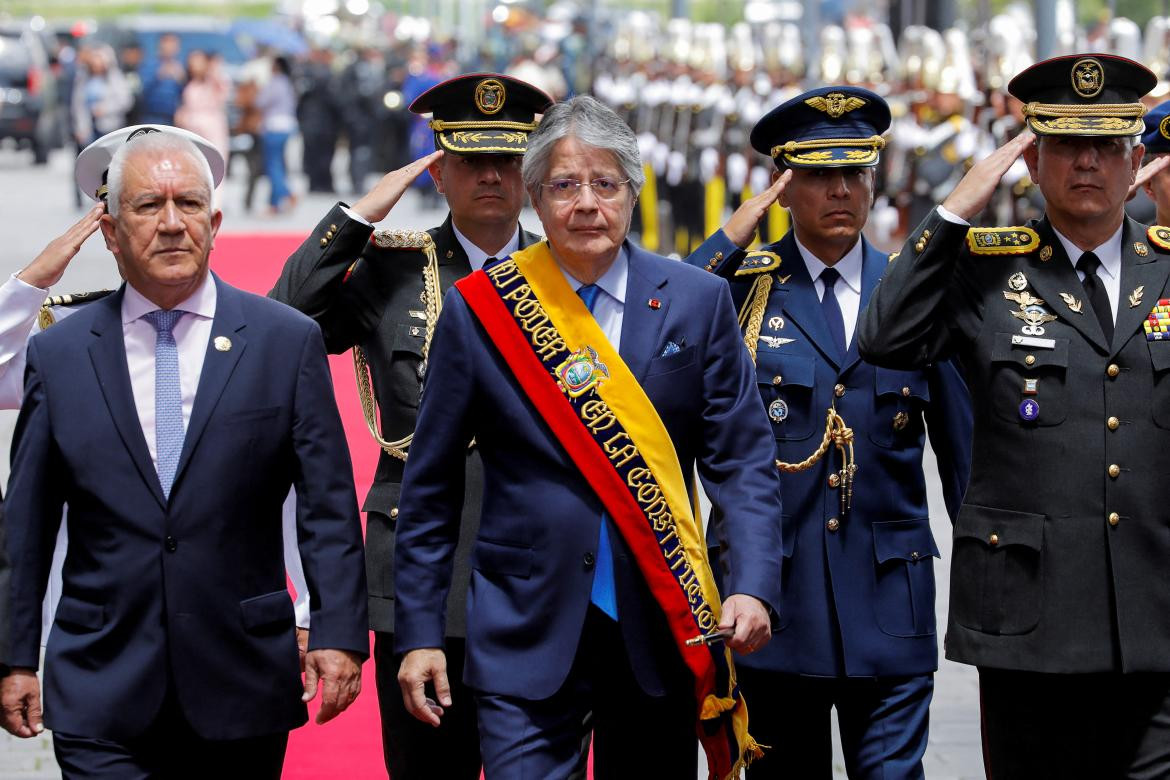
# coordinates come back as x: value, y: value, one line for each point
x: 718, y: 255
x: 393, y: 512
x: 834, y: 481
x: 905, y: 391
x: 777, y: 379
x: 914, y: 556
x: 993, y: 540
x: 1114, y: 470
x: 833, y: 524
x: 1114, y: 518
x: 324, y: 242
x: 839, y: 390
x: 171, y: 543
x: 1030, y: 360
x: 333, y: 227
x: 1113, y: 370
x: 588, y: 560
x: 1113, y: 423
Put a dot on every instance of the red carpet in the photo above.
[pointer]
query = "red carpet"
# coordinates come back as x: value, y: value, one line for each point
x: 350, y: 746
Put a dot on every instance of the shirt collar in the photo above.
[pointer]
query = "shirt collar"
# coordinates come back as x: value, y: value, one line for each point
x: 476, y: 256
x: 200, y: 303
x: 1109, y: 253
x: 848, y: 266
x: 612, y: 282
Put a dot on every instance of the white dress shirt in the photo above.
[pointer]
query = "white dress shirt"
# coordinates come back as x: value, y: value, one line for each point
x: 610, y: 305
x: 476, y: 256
x: 849, y: 293
x: 192, y: 331
x: 1109, y: 271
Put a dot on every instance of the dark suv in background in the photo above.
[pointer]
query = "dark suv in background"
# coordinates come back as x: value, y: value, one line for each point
x: 29, y: 109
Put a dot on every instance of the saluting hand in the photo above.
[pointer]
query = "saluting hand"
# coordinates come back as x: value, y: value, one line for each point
x: 419, y: 667
x: 748, y: 618
x: 338, y: 674
x: 1147, y: 172
x: 973, y: 192
x: 47, y: 268
x: 20, y: 702
x: 741, y: 228
x: 376, y: 204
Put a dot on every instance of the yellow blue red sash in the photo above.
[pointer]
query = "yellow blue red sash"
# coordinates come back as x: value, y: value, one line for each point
x: 589, y: 398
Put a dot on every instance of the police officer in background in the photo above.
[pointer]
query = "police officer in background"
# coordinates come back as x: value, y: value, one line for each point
x: 384, y: 306
x: 857, y: 629
x: 1058, y: 576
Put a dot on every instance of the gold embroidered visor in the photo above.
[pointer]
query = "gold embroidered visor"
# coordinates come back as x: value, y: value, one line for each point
x: 830, y: 152
x: 483, y: 136
x: 1101, y: 119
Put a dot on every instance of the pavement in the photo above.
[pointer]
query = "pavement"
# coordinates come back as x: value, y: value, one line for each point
x: 38, y: 205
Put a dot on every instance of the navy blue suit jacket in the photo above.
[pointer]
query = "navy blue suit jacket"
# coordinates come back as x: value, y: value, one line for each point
x: 191, y: 589
x: 875, y: 572
x: 532, y: 561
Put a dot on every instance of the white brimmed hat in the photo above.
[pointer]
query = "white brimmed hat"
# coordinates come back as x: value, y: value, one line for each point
x: 94, y: 160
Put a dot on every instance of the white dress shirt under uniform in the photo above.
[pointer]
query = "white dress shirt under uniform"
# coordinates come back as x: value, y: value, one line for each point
x: 848, y: 293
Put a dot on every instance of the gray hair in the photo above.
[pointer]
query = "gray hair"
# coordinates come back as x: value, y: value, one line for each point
x: 152, y: 142
x: 591, y: 123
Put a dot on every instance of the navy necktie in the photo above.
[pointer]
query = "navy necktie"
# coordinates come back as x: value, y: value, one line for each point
x: 1095, y: 292
x: 604, y: 592
x: 832, y: 309
x: 168, y: 397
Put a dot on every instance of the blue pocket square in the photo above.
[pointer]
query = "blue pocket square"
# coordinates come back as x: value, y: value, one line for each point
x: 670, y: 349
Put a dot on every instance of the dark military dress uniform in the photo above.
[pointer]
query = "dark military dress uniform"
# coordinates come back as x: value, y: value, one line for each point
x: 385, y: 305
x: 857, y: 620
x: 1059, y: 591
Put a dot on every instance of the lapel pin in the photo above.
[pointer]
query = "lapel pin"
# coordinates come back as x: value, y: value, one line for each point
x: 223, y: 343
x: 1135, y: 297
x: 1045, y: 254
x: 1018, y: 281
x: 1140, y: 249
x: 783, y: 279
x: 654, y: 303
x: 776, y: 323
x: 1073, y: 304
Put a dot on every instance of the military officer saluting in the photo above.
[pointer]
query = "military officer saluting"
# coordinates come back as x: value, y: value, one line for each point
x: 857, y: 629
x: 384, y: 306
x: 1059, y: 592
x: 1153, y: 177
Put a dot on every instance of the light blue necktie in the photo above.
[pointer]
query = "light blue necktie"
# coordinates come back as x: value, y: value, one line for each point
x: 168, y: 397
x: 604, y: 593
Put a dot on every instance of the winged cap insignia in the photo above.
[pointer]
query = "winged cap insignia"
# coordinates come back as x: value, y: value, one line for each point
x: 835, y: 104
x: 1023, y: 298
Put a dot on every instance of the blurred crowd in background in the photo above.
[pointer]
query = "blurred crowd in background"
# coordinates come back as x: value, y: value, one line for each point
x: 692, y: 92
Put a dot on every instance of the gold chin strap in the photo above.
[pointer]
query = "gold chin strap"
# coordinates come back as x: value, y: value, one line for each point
x: 873, y: 142
x: 1084, y: 109
x: 432, y: 305
x: 439, y: 125
x: 751, y: 319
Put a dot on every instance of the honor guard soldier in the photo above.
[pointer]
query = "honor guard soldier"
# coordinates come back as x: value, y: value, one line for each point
x: 384, y: 307
x: 1058, y: 575
x: 857, y: 627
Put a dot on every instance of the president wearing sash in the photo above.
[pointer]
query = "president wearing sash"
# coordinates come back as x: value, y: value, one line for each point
x: 594, y: 377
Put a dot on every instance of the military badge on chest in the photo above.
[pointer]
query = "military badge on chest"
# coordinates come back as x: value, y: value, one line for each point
x: 1031, y: 310
x: 1157, y: 324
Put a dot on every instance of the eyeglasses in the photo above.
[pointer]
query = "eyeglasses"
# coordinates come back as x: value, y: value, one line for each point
x: 565, y: 190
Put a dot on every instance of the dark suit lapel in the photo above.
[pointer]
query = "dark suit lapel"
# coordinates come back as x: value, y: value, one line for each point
x: 1048, y: 279
x: 873, y: 265
x: 108, y: 355
x: 1142, y: 281
x: 450, y: 250
x: 642, y: 325
x: 217, y: 367
x: 800, y: 300
x: 528, y: 239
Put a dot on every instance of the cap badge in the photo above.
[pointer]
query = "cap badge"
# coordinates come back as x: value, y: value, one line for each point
x: 835, y: 104
x: 489, y: 96
x: 1088, y: 79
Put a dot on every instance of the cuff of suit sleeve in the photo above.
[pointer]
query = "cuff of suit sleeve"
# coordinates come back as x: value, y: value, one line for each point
x: 951, y: 217
x: 356, y: 217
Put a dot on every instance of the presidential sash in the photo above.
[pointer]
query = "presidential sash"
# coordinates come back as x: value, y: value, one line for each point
x: 597, y: 410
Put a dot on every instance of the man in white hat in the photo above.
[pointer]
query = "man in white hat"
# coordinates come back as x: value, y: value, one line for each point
x: 173, y: 651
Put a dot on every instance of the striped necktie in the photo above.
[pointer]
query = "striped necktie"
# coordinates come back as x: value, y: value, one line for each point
x: 168, y: 397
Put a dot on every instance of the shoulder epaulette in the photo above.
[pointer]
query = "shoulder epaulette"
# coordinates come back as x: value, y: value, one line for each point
x: 1002, y: 240
x: 45, y: 318
x: 1159, y: 236
x: 402, y: 239
x: 757, y: 262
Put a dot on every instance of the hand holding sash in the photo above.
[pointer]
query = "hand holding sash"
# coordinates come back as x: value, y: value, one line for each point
x: 419, y: 667
x: 748, y: 617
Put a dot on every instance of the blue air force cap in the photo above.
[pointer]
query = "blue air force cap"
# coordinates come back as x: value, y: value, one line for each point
x: 1084, y: 95
x: 824, y: 127
x: 1157, y: 134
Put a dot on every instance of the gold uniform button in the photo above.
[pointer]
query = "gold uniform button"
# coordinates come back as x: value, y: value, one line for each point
x: 1030, y: 360
x: 834, y: 481
x: 918, y: 247
x: 1114, y: 518
x: 777, y: 379
x: 926, y: 235
x: 1114, y: 471
x: 906, y: 391
x: 993, y: 540
x: 394, y: 512
x: 324, y: 242
x: 1113, y: 423
x: 833, y: 524
x: 333, y: 227
x: 913, y: 556
x: 328, y: 234
x: 1113, y: 370
x: 838, y: 390
x: 718, y: 255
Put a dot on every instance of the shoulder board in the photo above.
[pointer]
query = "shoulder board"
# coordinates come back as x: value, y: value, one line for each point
x: 402, y: 239
x: 1159, y: 236
x: 45, y: 317
x: 757, y: 262
x: 1002, y: 241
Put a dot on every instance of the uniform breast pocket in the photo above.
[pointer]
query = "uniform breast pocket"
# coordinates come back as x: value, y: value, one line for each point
x: 406, y: 364
x: 1022, y: 373
x: 1160, y: 359
x: 899, y: 399
x: 787, y: 385
x: 904, y: 553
